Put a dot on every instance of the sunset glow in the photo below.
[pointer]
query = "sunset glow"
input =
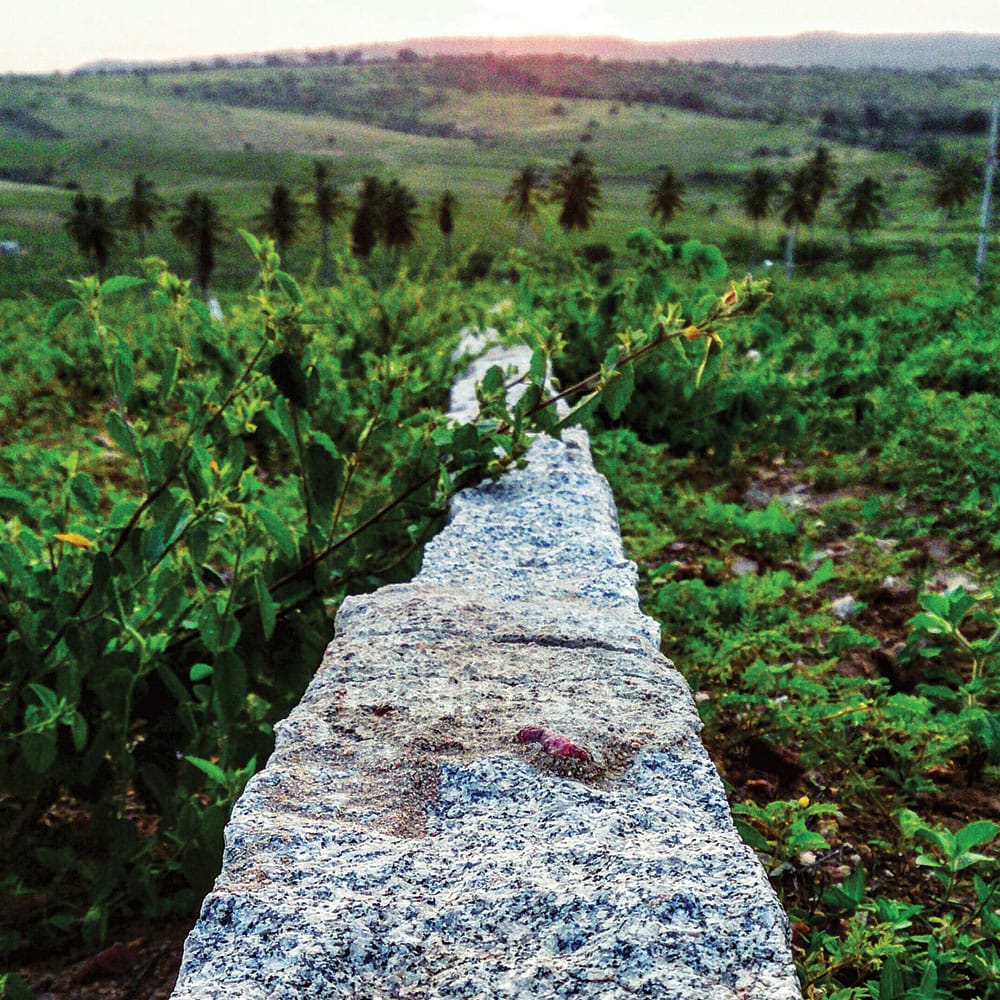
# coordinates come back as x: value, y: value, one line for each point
x: 53, y: 34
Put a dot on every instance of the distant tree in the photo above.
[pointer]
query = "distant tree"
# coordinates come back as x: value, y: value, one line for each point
x: 757, y: 196
x: 198, y: 224
x: 328, y: 205
x: 281, y: 218
x: 665, y: 197
x: 823, y: 170
x: 798, y: 209
x: 523, y: 196
x: 576, y: 188
x: 446, y: 220
x: 367, y: 222
x: 399, y: 218
x: 861, y: 207
x: 141, y: 208
x: 953, y: 185
x: 90, y: 226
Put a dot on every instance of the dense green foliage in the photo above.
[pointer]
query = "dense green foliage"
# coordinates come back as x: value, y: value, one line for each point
x: 185, y: 500
x: 831, y: 597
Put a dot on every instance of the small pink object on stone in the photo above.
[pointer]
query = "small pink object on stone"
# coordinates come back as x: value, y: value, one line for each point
x: 553, y: 744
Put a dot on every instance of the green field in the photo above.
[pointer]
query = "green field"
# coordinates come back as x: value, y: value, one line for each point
x: 99, y: 132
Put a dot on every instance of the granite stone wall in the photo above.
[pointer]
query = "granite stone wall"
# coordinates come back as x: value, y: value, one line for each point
x: 494, y: 787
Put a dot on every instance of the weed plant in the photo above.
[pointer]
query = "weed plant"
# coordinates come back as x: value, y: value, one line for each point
x: 824, y: 569
x: 186, y: 499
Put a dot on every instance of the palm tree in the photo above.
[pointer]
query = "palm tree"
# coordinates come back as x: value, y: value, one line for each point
x: 523, y: 196
x: 861, y: 207
x: 823, y: 169
x: 281, y: 218
x: 141, y: 208
x: 367, y: 221
x: 89, y: 226
x: 328, y: 205
x: 757, y: 194
x: 446, y: 220
x: 798, y: 209
x: 665, y: 197
x: 576, y: 187
x: 197, y: 224
x: 953, y: 185
x: 399, y: 219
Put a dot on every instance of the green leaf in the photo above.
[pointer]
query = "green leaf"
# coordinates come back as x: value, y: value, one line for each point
x: 14, y: 501
x: 289, y: 379
x: 39, y: 750
x: 173, y: 684
x: 201, y: 311
x: 229, y: 681
x: 752, y: 837
x: 124, y: 367
x: 58, y: 313
x: 580, y: 412
x: 121, y: 433
x: 981, y: 831
x: 289, y: 286
x: 14, y: 567
x: 278, y: 530
x: 103, y: 576
x: 280, y: 418
x: 219, y: 630
x: 493, y: 381
x: 84, y: 491
x: 208, y: 768
x: 854, y: 885
x: 618, y: 392
x: 251, y: 241
x: 890, y: 981
x: 325, y: 472
x: 169, y: 377
x: 152, y: 543
x: 79, y: 731
x: 985, y: 729
x: 200, y: 672
x: 46, y: 697
x: 265, y: 606
x: 539, y: 365
x: 928, y: 982
x: 929, y: 623
x: 120, y: 283
x: 936, y: 604
x: 824, y: 574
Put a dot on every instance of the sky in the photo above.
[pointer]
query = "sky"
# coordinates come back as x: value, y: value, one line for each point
x: 39, y: 36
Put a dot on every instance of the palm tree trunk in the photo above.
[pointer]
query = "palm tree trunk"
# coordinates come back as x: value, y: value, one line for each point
x: 325, y: 270
x: 987, y: 206
x: 790, y: 252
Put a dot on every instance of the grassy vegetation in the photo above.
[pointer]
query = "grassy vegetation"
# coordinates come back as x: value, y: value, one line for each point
x: 815, y: 520
x: 177, y: 129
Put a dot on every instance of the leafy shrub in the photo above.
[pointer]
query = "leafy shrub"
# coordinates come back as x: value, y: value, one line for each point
x: 476, y: 267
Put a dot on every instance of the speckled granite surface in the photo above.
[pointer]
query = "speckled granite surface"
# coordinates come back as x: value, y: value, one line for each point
x: 494, y: 787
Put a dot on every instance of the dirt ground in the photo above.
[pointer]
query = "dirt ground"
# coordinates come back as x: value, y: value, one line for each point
x: 141, y: 964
